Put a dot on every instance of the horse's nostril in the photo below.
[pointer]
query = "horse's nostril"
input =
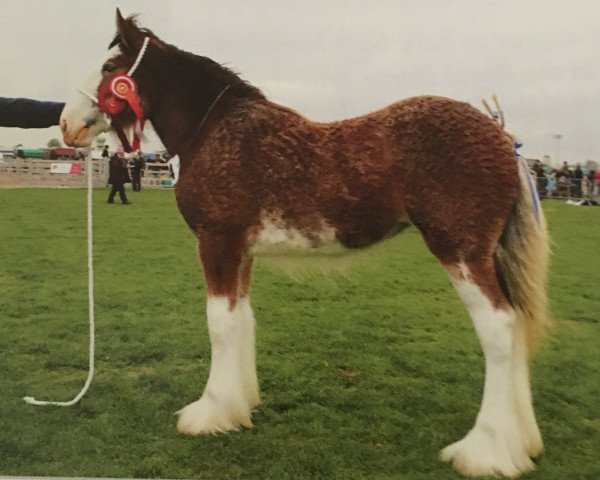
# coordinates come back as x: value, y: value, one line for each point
x: 63, y: 125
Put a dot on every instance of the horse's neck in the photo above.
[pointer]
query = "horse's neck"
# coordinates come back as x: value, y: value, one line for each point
x: 182, y: 101
x: 176, y: 118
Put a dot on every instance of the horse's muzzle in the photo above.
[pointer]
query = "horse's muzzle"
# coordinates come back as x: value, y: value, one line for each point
x: 75, y: 137
x: 80, y: 132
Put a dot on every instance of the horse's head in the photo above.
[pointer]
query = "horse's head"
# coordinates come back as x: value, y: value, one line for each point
x: 110, y: 96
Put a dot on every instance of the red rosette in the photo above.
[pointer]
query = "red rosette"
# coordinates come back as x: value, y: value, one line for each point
x: 123, y: 86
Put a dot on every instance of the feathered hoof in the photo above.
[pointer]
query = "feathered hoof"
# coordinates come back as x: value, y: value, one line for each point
x: 207, y: 417
x: 487, y: 451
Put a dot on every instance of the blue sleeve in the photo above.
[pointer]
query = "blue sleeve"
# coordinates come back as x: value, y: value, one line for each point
x: 27, y: 113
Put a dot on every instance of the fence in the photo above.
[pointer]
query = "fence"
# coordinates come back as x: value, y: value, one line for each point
x: 34, y: 173
x: 565, y: 188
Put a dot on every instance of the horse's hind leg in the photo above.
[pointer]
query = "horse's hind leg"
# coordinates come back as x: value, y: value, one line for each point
x: 231, y: 390
x: 505, y: 434
x: 524, y: 404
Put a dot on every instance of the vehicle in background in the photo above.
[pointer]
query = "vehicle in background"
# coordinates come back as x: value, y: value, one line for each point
x: 65, y: 153
x: 56, y: 153
x: 6, y: 152
x: 31, y: 153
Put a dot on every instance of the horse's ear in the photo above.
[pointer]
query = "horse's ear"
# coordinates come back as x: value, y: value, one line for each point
x: 131, y: 37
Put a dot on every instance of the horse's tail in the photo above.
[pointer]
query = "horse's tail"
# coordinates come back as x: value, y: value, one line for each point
x: 521, y: 259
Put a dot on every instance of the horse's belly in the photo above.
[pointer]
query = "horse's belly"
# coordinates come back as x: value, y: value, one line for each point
x: 277, y: 238
x: 296, y: 251
x: 296, y: 254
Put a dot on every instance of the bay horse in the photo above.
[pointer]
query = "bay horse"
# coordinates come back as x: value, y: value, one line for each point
x: 256, y: 175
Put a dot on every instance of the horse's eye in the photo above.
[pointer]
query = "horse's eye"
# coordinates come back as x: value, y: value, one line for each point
x: 108, y: 67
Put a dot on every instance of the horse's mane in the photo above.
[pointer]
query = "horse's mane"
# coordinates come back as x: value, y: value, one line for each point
x: 213, y: 71
x: 206, y: 68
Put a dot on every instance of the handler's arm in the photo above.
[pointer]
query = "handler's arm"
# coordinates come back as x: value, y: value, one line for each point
x: 27, y: 113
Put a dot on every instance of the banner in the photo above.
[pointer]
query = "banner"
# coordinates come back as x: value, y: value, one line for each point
x: 72, y: 168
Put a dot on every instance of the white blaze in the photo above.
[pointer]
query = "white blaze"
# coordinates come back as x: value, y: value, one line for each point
x: 81, y: 115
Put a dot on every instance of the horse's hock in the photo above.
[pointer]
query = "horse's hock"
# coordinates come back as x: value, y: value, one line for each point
x: 36, y: 173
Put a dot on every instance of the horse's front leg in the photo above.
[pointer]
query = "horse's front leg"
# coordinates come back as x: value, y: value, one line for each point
x: 231, y: 390
x: 247, y: 336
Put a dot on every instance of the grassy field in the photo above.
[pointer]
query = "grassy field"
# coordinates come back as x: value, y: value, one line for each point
x: 363, y: 376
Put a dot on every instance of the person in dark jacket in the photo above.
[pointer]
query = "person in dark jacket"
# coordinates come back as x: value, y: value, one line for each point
x: 137, y: 172
x: 28, y: 113
x: 118, y: 176
x: 576, y: 181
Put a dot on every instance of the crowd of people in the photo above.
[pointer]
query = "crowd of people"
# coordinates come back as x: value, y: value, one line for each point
x: 566, y: 182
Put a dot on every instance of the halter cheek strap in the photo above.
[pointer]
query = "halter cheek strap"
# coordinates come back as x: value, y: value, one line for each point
x: 141, y: 53
x: 125, y: 88
x: 123, y: 91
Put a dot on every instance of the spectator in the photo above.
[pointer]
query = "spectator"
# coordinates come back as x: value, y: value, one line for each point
x: 562, y: 185
x: 576, y: 179
x: 551, y: 184
x: 118, y: 176
x: 137, y: 172
x: 542, y: 181
x: 591, y: 174
x: 586, y: 187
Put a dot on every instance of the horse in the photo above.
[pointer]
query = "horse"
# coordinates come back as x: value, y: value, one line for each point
x: 256, y: 176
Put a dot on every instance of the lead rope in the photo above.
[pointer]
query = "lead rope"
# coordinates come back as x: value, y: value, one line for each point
x: 90, y: 245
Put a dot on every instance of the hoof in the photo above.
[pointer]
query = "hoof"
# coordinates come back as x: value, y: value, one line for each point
x: 207, y: 417
x: 487, y: 451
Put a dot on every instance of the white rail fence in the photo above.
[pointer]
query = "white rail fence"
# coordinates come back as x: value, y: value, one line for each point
x: 37, y: 173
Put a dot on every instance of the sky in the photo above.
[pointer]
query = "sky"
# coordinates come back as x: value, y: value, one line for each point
x: 334, y: 59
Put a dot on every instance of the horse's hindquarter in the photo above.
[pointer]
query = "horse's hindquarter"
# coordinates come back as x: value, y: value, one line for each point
x: 463, y: 181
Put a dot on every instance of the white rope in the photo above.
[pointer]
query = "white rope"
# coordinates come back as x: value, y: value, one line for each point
x: 90, y: 376
x: 139, y: 57
x: 90, y: 244
x: 88, y: 94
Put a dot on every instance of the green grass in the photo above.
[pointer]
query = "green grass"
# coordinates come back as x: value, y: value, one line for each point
x: 365, y: 376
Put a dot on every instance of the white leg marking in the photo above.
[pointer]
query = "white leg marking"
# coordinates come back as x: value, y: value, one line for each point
x: 248, y: 352
x: 223, y: 405
x: 523, y: 401
x: 497, y: 444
